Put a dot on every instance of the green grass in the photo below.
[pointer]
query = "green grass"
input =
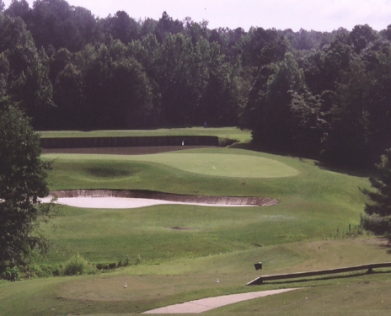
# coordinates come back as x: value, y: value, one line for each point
x: 219, y: 164
x: 225, y: 132
x: 204, y: 231
x: 306, y: 231
x: 152, y: 286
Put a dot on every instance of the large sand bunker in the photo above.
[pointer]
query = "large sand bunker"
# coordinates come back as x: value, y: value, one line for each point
x: 117, y: 199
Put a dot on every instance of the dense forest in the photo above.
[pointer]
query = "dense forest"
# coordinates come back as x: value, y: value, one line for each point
x: 325, y: 95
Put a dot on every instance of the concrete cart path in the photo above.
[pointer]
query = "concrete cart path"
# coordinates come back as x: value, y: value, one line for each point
x: 206, y: 304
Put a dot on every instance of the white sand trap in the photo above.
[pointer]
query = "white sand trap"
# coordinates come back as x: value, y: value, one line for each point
x: 206, y: 304
x: 120, y: 202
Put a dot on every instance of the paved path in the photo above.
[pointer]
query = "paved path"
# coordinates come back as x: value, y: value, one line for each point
x: 206, y: 304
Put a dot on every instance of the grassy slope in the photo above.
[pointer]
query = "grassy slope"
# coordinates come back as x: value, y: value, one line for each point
x: 217, y: 243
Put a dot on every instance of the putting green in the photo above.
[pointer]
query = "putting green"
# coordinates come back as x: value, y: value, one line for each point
x: 223, y: 165
x: 212, y: 164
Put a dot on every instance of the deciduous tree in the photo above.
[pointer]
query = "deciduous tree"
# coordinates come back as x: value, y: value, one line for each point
x: 22, y: 182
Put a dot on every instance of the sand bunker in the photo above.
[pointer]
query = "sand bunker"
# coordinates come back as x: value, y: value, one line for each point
x: 112, y: 199
x: 118, y: 203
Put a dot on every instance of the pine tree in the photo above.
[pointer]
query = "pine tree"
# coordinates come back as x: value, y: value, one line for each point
x: 379, y: 210
x: 381, y: 198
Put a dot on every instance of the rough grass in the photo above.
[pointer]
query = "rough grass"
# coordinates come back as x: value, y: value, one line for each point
x: 183, y: 249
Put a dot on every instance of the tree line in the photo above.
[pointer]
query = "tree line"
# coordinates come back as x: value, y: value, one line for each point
x: 324, y: 95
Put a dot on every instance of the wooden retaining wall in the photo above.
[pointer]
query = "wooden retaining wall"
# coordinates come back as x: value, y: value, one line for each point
x: 96, y: 142
x: 296, y: 275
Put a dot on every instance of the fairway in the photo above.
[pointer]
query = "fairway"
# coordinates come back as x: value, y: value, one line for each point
x: 211, y: 164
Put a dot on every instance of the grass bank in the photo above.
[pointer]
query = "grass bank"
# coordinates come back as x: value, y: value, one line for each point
x: 222, y: 132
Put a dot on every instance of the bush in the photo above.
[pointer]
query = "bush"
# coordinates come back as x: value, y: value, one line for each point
x: 376, y: 223
x: 112, y: 265
x: 11, y: 274
x: 43, y: 271
x: 77, y: 265
x: 138, y: 259
x: 102, y: 266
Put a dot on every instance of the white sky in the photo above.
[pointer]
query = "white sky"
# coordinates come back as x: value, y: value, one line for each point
x: 319, y: 15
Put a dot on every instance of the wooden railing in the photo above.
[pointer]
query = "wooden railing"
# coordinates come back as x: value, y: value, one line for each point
x: 368, y: 267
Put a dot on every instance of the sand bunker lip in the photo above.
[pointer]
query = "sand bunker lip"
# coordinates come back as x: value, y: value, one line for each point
x: 116, y: 199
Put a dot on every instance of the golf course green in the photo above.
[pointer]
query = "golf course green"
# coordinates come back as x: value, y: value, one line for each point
x: 219, y: 164
x: 175, y: 253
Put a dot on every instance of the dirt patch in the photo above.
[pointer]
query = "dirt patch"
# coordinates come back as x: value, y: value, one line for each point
x: 383, y: 242
x: 140, y: 194
x: 180, y: 228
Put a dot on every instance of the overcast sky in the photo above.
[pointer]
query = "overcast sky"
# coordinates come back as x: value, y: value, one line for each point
x: 319, y: 15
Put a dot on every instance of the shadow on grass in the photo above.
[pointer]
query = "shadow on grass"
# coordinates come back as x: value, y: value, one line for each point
x: 388, y: 245
x: 362, y: 173
x: 105, y: 172
x: 326, y: 278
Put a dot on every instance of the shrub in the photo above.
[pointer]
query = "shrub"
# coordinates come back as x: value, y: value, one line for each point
x: 77, y: 265
x: 376, y: 223
x: 11, y: 274
x: 127, y: 261
x: 102, y: 266
x: 112, y: 265
x: 44, y: 271
x: 138, y: 259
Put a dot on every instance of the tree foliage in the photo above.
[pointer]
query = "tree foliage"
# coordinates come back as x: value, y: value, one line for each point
x: 381, y: 198
x: 320, y: 94
x: 22, y: 182
x: 271, y: 100
x: 379, y: 209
